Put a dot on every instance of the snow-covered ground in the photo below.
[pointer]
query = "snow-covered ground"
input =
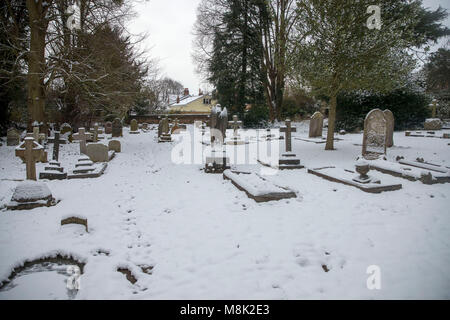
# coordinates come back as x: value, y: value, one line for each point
x: 207, y: 240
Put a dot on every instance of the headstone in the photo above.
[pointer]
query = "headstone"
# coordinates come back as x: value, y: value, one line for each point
x: 175, y: 126
x: 97, y: 152
x: 117, y: 128
x: 108, y: 127
x: 66, y: 128
x: 56, y: 142
x: 95, y: 133
x: 29, y: 195
x: 134, y: 128
x: 222, y: 123
x: 214, y: 116
x: 114, y: 145
x: 390, y: 123
x: 13, y: 137
x: 316, y: 125
x: 32, y: 153
x: 288, y: 136
x: 235, y: 124
x: 163, y: 131
x: 374, y: 138
x: 82, y: 136
x: 433, y: 124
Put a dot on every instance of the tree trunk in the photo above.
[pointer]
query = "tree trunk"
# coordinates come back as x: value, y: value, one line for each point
x: 331, y: 123
x: 36, y: 61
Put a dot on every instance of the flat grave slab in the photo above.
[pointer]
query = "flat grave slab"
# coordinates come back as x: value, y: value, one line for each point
x: 29, y: 195
x: 256, y: 187
x: 412, y: 173
x: 426, y: 134
x: 319, y: 140
x: 347, y: 177
x: 425, y: 165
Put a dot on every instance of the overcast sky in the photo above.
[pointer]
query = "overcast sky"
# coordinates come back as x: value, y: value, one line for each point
x: 169, y: 26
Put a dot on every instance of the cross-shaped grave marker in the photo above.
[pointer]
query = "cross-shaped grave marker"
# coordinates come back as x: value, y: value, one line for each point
x: 31, y: 153
x: 235, y: 124
x: 82, y: 136
x: 288, y: 130
x: 56, y: 142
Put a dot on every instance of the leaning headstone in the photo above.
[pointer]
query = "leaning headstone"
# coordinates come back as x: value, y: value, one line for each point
x: 82, y: 136
x: 390, y: 122
x: 114, y: 145
x: 117, y: 128
x: 31, y: 151
x: 374, y: 138
x: 108, y: 127
x: 12, y: 137
x: 97, y: 152
x: 134, y: 128
x: 29, y: 195
x: 316, y: 125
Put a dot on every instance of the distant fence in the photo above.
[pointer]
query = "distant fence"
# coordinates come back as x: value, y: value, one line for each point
x: 182, y: 117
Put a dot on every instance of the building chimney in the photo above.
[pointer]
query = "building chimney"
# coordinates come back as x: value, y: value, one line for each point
x: 178, y: 99
x: 186, y: 91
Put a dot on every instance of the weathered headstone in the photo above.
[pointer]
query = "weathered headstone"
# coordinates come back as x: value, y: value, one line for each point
x: 31, y: 153
x: 97, y: 152
x: 29, y: 195
x: 390, y: 123
x: 13, y: 137
x: 235, y: 124
x: 134, y: 128
x: 374, y: 138
x: 163, y: 131
x: 117, y: 128
x: 95, y: 133
x: 433, y: 124
x: 108, y: 127
x: 214, y: 116
x: 316, y: 125
x: 82, y: 136
x: 222, y: 123
x: 114, y: 145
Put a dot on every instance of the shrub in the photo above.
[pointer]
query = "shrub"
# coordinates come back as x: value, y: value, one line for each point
x: 410, y: 108
x: 256, y: 117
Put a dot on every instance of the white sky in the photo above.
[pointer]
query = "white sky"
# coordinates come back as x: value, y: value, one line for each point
x: 169, y: 24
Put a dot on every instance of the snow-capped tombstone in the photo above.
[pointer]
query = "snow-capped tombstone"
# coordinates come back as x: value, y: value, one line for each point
x: 12, y: 137
x: 222, y: 123
x: 114, y: 145
x: 66, y: 128
x: 97, y: 152
x: 82, y: 136
x: 134, y: 128
x: 214, y: 116
x: 374, y: 138
x: 163, y: 131
x: 108, y: 127
x: 316, y: 125
x: 31, y: 152
x: 390, y: 121
x: 433, y: 124
x: 29, y: 195
x: 117, y: 128
x: 95, y: 133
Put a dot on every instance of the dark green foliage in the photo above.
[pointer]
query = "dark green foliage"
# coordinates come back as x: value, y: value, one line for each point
x: 410, y: 109
x: 256, y: 117
x: 235, y: 65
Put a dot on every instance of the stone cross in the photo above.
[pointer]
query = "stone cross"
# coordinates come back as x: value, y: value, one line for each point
x: 235, y: 125
x: 56, y: 143
x: 288, y: 130
x: 36, y: 133
x: 82, y: 136
x: 32, y: 154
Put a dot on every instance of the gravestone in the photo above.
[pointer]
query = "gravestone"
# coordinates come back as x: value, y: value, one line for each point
x: 134, y: 128
x: 56, y: 140
x: 82, y: 136
x: 374, y: 138
x: 31, y: 153
x: 289, y: 160
x: 114, y: 145
x: 117, y: 128
x: 214, y: 116
x: 97, y: 152
x: 12, y: 137
x: 433, y: 124
x: 175, y: 126
x: 108, y: 127
x: 235, y: 124
x: 95, y: 133
x: 54, y: 171
x: 29, y: 195
x: 390, y: 123
x: 163, y: 131
x: 316, y: 125
x: 222, y: 123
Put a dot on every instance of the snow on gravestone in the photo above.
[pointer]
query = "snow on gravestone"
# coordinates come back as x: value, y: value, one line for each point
x: 374, y: 138
x: 29, y: 195
x: 134, y: 126
x: 316, y: 125
x: 389, y: 116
